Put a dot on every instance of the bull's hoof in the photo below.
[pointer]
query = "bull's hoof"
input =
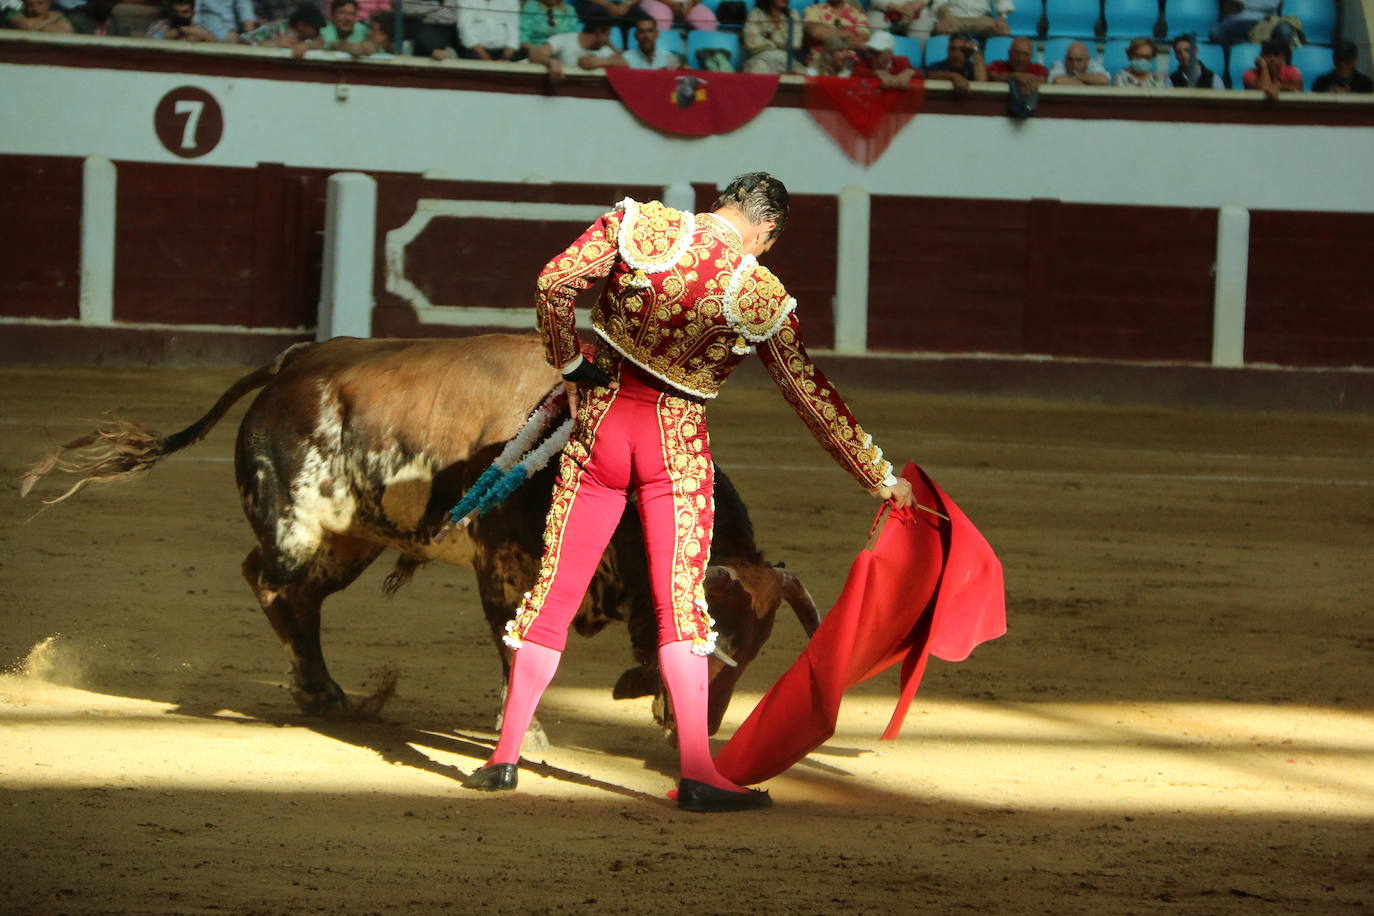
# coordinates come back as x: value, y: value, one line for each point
x: 326, y: 701
x: 496, y: 777
x: 536, y: 739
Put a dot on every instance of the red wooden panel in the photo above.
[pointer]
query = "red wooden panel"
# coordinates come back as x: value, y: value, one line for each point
x: 946, y: 275
x: 184, y: 244
x: 40, y: 261
x: 804, y: 259
x: 1310, y: 296
x: 1126, y: 282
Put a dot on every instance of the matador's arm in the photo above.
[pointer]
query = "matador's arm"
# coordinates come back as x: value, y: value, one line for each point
x: 820, y: 406
x: 579, y: 267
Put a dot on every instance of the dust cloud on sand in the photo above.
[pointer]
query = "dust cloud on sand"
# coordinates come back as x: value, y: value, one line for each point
x: 1180, y: 719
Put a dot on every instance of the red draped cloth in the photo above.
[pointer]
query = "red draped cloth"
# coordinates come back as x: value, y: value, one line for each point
x: 923, y: 585
x: 859, y: 114
x: 693, y: 102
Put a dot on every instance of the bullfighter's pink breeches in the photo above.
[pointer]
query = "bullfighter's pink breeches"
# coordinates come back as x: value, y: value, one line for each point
x: 644, y: 438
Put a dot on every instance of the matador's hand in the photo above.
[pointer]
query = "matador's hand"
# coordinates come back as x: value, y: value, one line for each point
x: 584, y: 373
x: 899, y: 493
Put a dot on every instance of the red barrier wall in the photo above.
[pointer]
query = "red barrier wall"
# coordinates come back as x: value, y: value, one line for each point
x: 40, y: 260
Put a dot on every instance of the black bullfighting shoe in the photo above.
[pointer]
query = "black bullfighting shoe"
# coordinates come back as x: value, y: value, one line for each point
x: 498, y: 777
x: 699, y: 796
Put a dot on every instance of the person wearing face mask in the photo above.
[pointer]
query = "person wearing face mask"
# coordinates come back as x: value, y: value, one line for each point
x: 1141, y: 72
x: 686, y: 301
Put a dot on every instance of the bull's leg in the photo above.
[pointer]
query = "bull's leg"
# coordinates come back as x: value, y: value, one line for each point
x: 293, y: 606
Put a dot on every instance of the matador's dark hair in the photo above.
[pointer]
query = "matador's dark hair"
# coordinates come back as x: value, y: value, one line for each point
x: 759, y: 196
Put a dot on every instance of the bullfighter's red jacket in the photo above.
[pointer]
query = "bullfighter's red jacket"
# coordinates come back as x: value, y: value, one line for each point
x: 687, y: 305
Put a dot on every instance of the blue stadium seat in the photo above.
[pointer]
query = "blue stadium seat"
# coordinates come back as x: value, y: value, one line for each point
x: 1318, y: 18
x: 910, y: 48
x: 800, y: 5
x: 1241, y: 58
x: 1214, y: 56
x: 998, y: 47
x: 1025, y: 19
x: 1131, y: 18
x: 712, y: 4
x: 937, y: 49
x: 697, y: 39
x: 1313, y: 61
x: 1073, y: 18
x: 1114, y: 55
x: 671, y: 40
x: 1055, y: 49
x: 618, y: 38
x: 1190, y: 16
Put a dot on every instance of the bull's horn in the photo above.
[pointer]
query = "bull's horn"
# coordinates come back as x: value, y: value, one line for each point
x: 722, y: 571
x: 720, y: 654
x: 803, y: 605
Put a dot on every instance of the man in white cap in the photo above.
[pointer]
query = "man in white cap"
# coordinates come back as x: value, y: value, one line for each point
x: 876, y: 61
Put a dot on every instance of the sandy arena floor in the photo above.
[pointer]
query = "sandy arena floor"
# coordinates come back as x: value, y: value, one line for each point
x: 1181, y: 718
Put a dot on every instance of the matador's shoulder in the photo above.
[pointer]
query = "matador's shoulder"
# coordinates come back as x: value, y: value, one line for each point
x: 756, y: 303
x: 653, y: 236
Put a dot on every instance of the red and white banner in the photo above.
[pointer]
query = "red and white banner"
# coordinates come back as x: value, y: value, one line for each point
x: 859, y: 114
x: 696, y: 103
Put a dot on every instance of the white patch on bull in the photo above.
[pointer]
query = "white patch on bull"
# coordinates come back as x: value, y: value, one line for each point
x: 321, y: 499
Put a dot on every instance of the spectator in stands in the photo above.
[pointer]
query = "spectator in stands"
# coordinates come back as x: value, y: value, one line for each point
x: 303, y: 30
x: 901, y: 17
x: 688, y: 14
x: 178, y: 24
x: 344, y: 26
x: 489, y: 30
x: 1141, y: 72
x: 770, y: 31
x: 621, y: 14
x: 1078, y: 68
x: 224, y: 19
x: 877, y: 61
x: 38, y: 16
x: 1191, y: 73
x: 835, y: 58
x: 962, y: 65
x: 589, y: 49
x: 541, y: 19
x: 1272, y: 72
x: 1241, y: 18
x: 1019, y: 67
x: 979, y: 18
x: 371, y: 9
x: 379, y: 39
x: 1345, y: 78
x: 646, y: 54
x: 844, y: 18
x: 430, y: 26
x: 97, y: 17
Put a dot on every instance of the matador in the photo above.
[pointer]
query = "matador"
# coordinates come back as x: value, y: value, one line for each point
x: 686, y: 301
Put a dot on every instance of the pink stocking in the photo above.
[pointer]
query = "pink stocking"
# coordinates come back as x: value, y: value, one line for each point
x: 531, y: 670
x: 684, y: 673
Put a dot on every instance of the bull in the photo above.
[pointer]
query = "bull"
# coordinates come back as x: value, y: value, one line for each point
x: 355, y: 446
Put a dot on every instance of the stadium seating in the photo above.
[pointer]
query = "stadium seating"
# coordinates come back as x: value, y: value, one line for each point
x: 1073, y: 18
x: 1190, y: 16
x: 1131, y: 18
x: 1313, y: 61
x: 937, y: 49
x: 910, y: 48
x: 800, y: 5
x: 1318, y: 18
x: 1025, y: 19
x: 697, y: 40
x: 1114, y: 55
x: 1241, y: 58
x: 1055, y: 49
x: 672, y: 41
x: 998, y: 47
x: 1214, y: 56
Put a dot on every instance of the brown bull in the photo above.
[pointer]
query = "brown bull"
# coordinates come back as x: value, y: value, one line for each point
x: 354, y: 446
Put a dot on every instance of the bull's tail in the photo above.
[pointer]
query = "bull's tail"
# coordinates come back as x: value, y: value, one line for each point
x: 119, y: 450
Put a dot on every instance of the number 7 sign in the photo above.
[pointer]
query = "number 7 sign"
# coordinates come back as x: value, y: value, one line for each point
x: 189, y: 122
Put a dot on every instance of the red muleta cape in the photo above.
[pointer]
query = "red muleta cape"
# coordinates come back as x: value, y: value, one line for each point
x: 922, y: 585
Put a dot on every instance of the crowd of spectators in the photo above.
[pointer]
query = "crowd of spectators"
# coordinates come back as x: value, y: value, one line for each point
x: 827, y: 38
